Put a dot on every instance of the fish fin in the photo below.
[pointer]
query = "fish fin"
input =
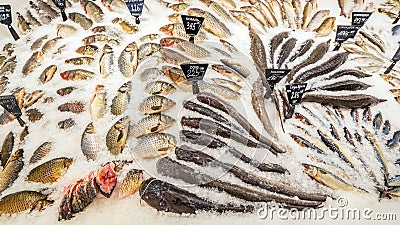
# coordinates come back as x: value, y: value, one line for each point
x: 155, y: 128
x: 180, y: 48
x: 156, y: 107
x: 120, y: 136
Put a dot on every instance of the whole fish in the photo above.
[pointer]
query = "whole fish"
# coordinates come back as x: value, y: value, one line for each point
x: 218, y: 9
x: 178, y: 30
x: 74, y: 107
x: 178, y: 7
x: 98, y: 103
x: 159, y: 88
x: 106, y: 62
x: 148, y: 49
x: 155, y: 104
x: 175, y: 74
x: 79, y: 60
x: 99, y: 38
x: 275, y: 42
x: 38, y: 43
x: 32, y: 98
x: 64, y: 30
x: 151, y: 124
x: 80, y: 19
x: 154, y: 145
x: 228, y: 72
x: 345, y: 9
x: 348, y: 85
x: 286, y: 49
x: 277, y: 11
x: 121, y: 100
x: 349, y: 72
x: 110, y: 30
x: 34, y: 115
x: 173, y: 57
x: 47, y: 74
x: 258, y: 103
x: 66, y: 90
x: 308, y: 13
x: 379, y: 153
x: 128, y: 60
x: 22, y: 201
x: 326, y: 27
x: 77, y: 74
x: 218, y: 89
x: 50, y: 171
x: 347, y: 101
x: 117, y: 135
x: 11, y: 170
x: 149, y: 37
x: 87, y: 50
x: 42, y: 151
x: 52, y: 13
x: 377, y: 122
x: 248, y: 21
x: 66, y: 124
x: 256, y: 14
x: 23, y: 25
x: 242, y: 70
x: 33, y: 62
x: 92, y: 10
x: 227, y: 83
x: 131, y: 183
x: 290, y: 14
x: 150, y: 73
x: 31, y: 19
x: 302, y: 49
x: 126, y: 26
x: 211, y: 24
x: 298, y: 9
x: 187, y: 47
x: 89, y: 145
x: 317, y: 20
x: 6, y: 148
x: 333, y: 63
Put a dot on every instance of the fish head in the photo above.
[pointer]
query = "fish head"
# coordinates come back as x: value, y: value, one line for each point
x: 167, y: 103
x: 126, y: 87
x: 107, y: 49
x: 41, y: 204
x: 167, y: 41
x: 90, y: 128
x: 137, y: 175
x: 68, y: 162
x: 65, y: 75
x: 167, y: 121
x: 171, y: 139
x: 174, y: 17
x: 106, y: 179
x: 167, y: 29
x: 310, y: 170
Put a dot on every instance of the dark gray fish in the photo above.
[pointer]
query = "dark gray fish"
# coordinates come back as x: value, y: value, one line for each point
x: 348, y: 136
x: 275, y: 42
x: 305, y: 143
x: 257, y: 52
x: 349, y: 72
x: 377, y: 122
x: 326, y: 67
x: 348, y: 101
x: 347, y: 85
x: 367, y: 114
x: 302, y: 50
x: 355, y: 115
x: 358, y: 137
x: 386, y: 127
x: 334, y: 132
x: 287, y: 48
x: 258, y: 103
x: 394, y: 141
x: 166, y: 197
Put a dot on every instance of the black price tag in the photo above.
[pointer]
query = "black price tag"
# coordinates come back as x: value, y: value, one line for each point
x: 192, y: 25
x: 61, y: 5
x: 295, y: 92
x: 273, y: 76
x: 397, y: 19
x: 9, y: 103
x: 395, y: 59
x: 135, y: 8
x: 343, y: 33
x: 194, y: 73
x: 6, y: 19
x: 359, y: 18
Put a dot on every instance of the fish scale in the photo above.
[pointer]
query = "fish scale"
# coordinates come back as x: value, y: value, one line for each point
x: 6, y: 148
x: 156, y: 104
x: 121, y: 100
x: 150, y: 124
x: 116, y: 136
x: 153, y: 145
x: 42, y: 151
x: 189, y: 48
x: 159, y: 88
x: 50, y: 171
x: 89, y: 145
x: 148, y: 49
x: 131, y: 183
x: 128, y: 60
x: 11, y: 170
x: 211, y: 24
x: 23, y: 200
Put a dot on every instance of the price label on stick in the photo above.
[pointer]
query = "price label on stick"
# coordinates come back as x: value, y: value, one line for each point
x: 295, y: 93
x: 397, y: 19
x: 343, y: 33
x: 61, y: 5
x: 135, y: 8
x: 359, y: 18
x: 6, y: 19
x: 194, y: 73
x: 192, y: 25
x: 9, y: 103
x: 273, y: 76
x: 395, y: 59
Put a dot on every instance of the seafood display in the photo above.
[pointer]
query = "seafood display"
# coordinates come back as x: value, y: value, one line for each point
x: 265, y: 104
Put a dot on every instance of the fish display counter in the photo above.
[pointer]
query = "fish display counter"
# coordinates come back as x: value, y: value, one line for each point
x: 177, y: 112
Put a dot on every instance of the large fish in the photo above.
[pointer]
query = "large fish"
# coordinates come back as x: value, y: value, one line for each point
x: 121, y: 100
x: 128, y: 60
x: 187, y: 47
x: 50, y: 171
x: 258, y: 103
x: 106, y: 63
x: 23, y: 200
x: 98, y: 103
x: 89, y: 145
x: 11, y: 170
x: 346, y: 101
x: 150, y: 124
x: 154, y: 144
x: 116, y: 136
x: 155, y: 104
x: 6, y: 149
x: 211, y: 24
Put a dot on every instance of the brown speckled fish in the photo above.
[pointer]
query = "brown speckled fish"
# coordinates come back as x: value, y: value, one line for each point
x: 50, y: 171
x: 116, y: 136
x: 22, y: 201
x: 11, y: 170
x: 131, y: 183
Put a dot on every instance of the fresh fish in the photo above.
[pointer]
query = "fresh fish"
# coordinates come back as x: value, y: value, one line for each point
x: 126, y: 26
x: 227, y: 83
x: 347, y: 101
x: 121, y: 100
x: 32, y: 20
x: 64, y: 30
x: 150, y: 73
x: 348, y: 85
x: 128, y: 60
x: 317, y: 20
x: 306, y: 143
x: 277, y: 11
x: 326, y: 27
x: 302, y: 49
x: 6, y: 149
x: 187, y: 47
x: 98, y: 103
x: 151, y: 124
x: 286, y: 49
x: 33, y: 62
x: 348, y: 136
x: 52, y: 13
x: 177, y: 77
x: 377, y: 122
x: 211, y: 24
x: 148, y: 49
x: 394, y: 141
x: 66, y: 90
x: 242, y: 70
x: 178, y: 30
x: 23, y: 25
x: 298, y: 9
x: 258, y: 103
x: 99, y: 38
x: 155, y: 104
x: 9, y: 66
x: 92, y: 10
x: 178, y: 7
x: 32, y: 98
x: 248, y: 21
x: 110, y: 30
x: 22, y: 201
x: 47, y: 74
x: 326, y: 67
x: 79, y: 60
x: 38, y: 43
x: 386, y: 127
x: 116, y: 136
x: 3, y: 83
x: 349, y: 72
x: 256, y: 14
x: 345, y: 9
x: 159, y: 88
x: 228, y: 72
x: 289, y: 13
x: 173, y: 57
x: 154, y: 145
x: 77, y: 74
x: 308, y: 13
x: 374, y: 39
x: 34, y: 115
x: 66, y: 124
x: 50, y: 171
x: 334, y: 132
x: 131, y: 183
x: 74, y: 107
x: 218, y: 9
x: 87, y: 50
x: 50, y: 44
x: 379, y: 153
x: 218, y: 89
x: 42, y: 151
x: 275, y: 42
x: 175, y: 18
x: 11, y: 170
x: 80, y: 19
x: 117, y: 6
x: 149, y: 37
x: 106, y: 62
x: 89, y: 145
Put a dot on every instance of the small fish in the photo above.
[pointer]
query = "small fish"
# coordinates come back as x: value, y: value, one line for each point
x: 74, y: 107
x: 148, y: 49
x: 77, y: 74
x: 348, y: 136
x: 66, y: 124
x: 187, y: 47
x: 156, y: 104
x: 326, y: 27
x: 34, y: 115
x: 394, y: 141
x: 228, y: 72
x: 367, y: 114
x: 3, y: 84
x: 6, y: 149
x: 38, y: 43
x: 121, y: 100
x: 66, y: 90
x: 80, y: 19
x: 178, y: 30
x: 32, y: 98
x: 50, y: 44
x: 317, y: 20
x: 50, y: 171
x: 79, y: 61
x: 150, y: 73
x: 149, y: 37
x: 42, y: 151
x: 92, y: 10
x: 117, y: 135
x: 98, y: 38
x: 32, y: 20
x: 227, y: 83
x: 106, y: 62
x: 126, y: 26
x: 47, y: 74
x: 377, y: 122
x: 175, y: 18
x: 379, y: 153
x: 159, y: 88
x: 33, y: 62
x: 87, y: 50
x: 151, y: 124
x: 98, y: 103
x: 211, y: 24
x: 52, y: 13
x: 64, y: 30
x: 23, y: 25
x: 22, y: 201
x: 89, y: 145
x: 128, y: 60
x: 11, y: 170
x: 173, y: 57
x: 374, y: 39
x: 386, y: 127
x: 131, y: 183
x: 154, y: 145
